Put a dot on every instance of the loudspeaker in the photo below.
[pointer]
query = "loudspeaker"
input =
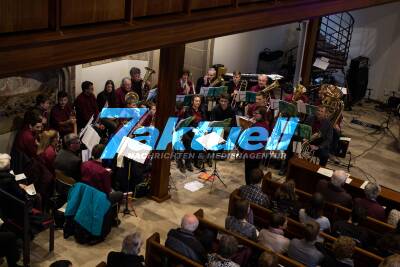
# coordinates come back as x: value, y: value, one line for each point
x: 357, y: 79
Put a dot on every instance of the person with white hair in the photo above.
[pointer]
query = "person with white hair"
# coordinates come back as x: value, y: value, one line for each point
x: 369, y: 202
x: 126, y: 87
x: 333, y: 190
x: 129, y: 255
x: 183, y: 240
x: 7, y: 179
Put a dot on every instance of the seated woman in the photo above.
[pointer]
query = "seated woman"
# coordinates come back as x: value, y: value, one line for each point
x: 239, y: 224
x: 342, y: 253
x: 228, y: 246
x: 314, y: 212
x: 286, y: 199
x: 128, y: 257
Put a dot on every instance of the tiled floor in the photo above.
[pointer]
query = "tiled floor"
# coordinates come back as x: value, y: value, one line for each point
x: 382, y: 163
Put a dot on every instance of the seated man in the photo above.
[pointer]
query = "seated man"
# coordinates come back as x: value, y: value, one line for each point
x: 183, y: 241
x: 94, y: 174
x: 369, y: 203
x: 223, y: 110
x: 304, y: 250
x: 333, y: 190
x: 322, y: 128
x: 352, y: 228
x: 68, y: 160
x: 9, y: 248
x: 238, y: 222
x: 129, y: 255
x: 253, y: 192
x: 273, y: 237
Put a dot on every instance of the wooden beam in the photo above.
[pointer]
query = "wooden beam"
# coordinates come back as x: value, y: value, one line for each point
x: 171, y: 64
x: 309, y: 51
x: 81, y: 44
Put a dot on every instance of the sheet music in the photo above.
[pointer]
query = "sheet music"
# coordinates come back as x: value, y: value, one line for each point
x: 274, y: 103
x: 193, y: 186
x: 85, y: 155
x: 321, y: 63
x: 275, y: 77
x: 86, y: 127
x: 30, y: 190
x: 134, y: 150
x: 209, y: 141
x: 20, y: 177
x: 343, y: 89
x: 301, y: 107
x: 325, y: 172
x: 348, y: 139
x: 204, y: 91
x: 90, y: 138
x: 364, y: 185
x: 152, y: 94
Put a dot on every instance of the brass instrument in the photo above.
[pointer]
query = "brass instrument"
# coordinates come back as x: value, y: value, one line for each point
x: 298, y: 92
x: 147, y: 76
x: 131, y: 96
x: 219, y: 80
x: 242, y: 87
x: 266, y: 91
x: 332, y: 101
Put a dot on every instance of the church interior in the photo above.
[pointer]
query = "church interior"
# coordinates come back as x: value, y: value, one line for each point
x: 199, y: 133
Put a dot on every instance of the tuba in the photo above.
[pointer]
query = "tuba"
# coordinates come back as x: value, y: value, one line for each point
x: 147, y: 76
x: 332, y: 101
x: 131, y: 97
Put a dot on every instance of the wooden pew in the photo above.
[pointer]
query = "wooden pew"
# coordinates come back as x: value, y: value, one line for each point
x: 256, y: 248
x: 305, y: 175
x: 333, y: 211
x: 157, y: 254
x: 263, y: 215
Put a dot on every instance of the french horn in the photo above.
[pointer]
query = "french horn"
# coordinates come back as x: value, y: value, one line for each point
x: 131, y: 97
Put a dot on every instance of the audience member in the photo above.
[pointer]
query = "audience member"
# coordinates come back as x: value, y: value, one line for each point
x: 94, y: 174
x: 68, y: 160
x: 26, y: 141
x: 61, y: 263
x: 86, y: 105
x: 352, y: 227
x: 47, y: 149
x: 389, y: 243
x: 228, y: 246
x: 391, y: 261
x: 268, y: 259
x: 393, y: 217
x: 315, y: 212
x: 238, y: 223
x: 304, y: 250
x: 369, y: 203
x: 62, y: 117
x: 183, y: 240
x: 129, y: 255
x: 342, y: 253
x: 273, y: 237
x: 9, y: 248
x: 253, y: 192
x: 333, y: 190
x: 7, y: 180
x: 286, y: 199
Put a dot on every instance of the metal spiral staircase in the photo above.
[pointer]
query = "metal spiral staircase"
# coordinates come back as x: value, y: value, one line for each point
x: 333, y: 43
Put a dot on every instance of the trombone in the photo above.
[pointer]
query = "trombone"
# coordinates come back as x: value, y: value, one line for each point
x: 242, y: 87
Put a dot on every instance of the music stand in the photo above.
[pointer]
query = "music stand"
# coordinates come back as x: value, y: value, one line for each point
x: 214, y: 174
x: 126, y: 210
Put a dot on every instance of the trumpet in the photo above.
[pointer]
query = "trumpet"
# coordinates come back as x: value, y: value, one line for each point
x: 242, y: 87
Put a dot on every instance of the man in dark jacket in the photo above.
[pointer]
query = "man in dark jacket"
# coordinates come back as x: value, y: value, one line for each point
x: 183, y: 241
x: 333, y: 190
x: 67, y: 159
x: 320, y: 124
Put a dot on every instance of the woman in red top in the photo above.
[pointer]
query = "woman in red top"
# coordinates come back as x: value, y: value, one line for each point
x: 48, y: 147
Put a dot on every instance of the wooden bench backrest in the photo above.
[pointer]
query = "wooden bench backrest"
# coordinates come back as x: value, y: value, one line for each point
x: 305, y: 175
x: 156, y: 254
x: 295, y: 230
x: 333, y: 211
x: 203, y: 223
